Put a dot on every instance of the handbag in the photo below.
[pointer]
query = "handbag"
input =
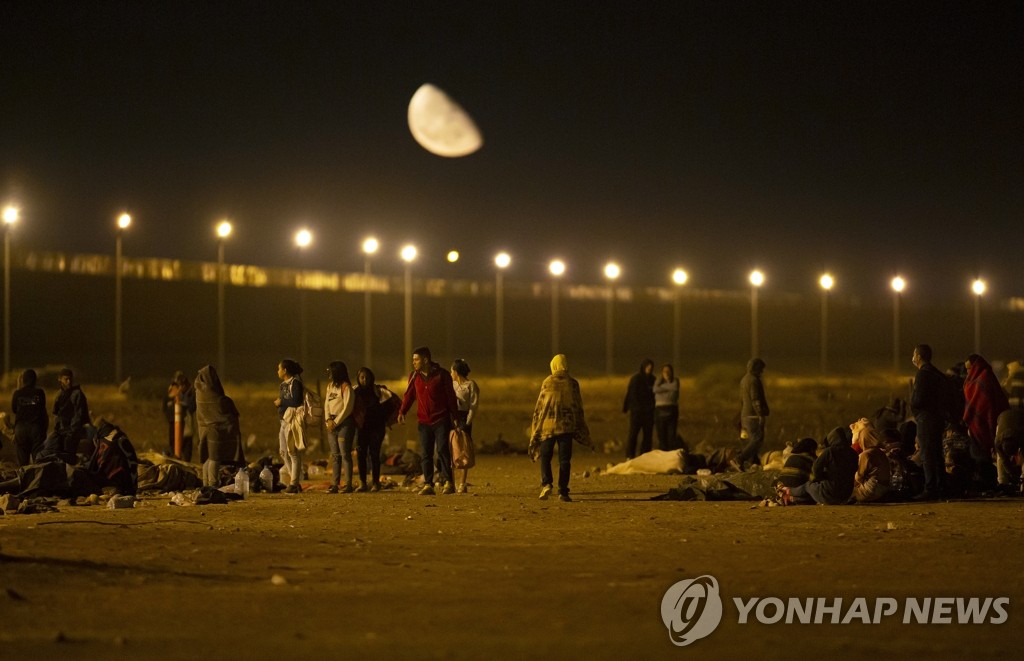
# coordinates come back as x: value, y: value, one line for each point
x: 463, y: 453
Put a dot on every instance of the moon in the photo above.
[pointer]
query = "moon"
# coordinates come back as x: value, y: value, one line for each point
x: 440, y: 125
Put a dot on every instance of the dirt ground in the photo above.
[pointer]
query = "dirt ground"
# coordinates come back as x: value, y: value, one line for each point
x: 498, y: 573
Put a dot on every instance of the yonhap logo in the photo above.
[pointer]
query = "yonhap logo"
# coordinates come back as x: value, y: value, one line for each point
x: 691, y: 609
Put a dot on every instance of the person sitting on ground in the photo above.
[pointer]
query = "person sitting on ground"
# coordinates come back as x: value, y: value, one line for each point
x: 832, y: 475
x: 1009, y: 444
x: 858, y: 429
x: 961, y: 470
x: 220, y: 437
x: 797, y: 468
x: 871, y: 483
x: 30, y: 418
x: 70, y: 417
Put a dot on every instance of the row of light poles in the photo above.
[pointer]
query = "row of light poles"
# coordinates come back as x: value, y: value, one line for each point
x: 409, y: 253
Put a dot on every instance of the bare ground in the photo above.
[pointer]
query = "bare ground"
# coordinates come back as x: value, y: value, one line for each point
x: 495, y: 573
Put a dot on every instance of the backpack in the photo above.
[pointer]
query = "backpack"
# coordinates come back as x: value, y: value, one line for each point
x: 312, y: 408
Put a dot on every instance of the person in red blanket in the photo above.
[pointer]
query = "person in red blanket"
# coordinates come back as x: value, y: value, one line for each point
x: 985, y: 400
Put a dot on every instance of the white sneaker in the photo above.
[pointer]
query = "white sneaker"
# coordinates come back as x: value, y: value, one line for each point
x: 545, y: 491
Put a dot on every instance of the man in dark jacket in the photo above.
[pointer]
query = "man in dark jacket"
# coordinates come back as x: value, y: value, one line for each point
x: 639, y: 404
x: 430, y: 386
x: 753, y: 412
x: 70, y: 416
x: 928, y: 403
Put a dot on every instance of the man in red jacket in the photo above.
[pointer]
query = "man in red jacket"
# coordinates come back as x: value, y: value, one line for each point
x: 430, y: 386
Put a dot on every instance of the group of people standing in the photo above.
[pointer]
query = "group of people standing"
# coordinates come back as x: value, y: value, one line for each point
x: 651, y: 403
x: 31, y: 420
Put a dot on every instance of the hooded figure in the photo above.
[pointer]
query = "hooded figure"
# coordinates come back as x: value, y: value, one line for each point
x: 873, y: 470
x: 639, y: 404
x: 220, y: 437
x: 985, y: 401
x: 833, y: 473
x: 753, y: 412
x: 557, y: 419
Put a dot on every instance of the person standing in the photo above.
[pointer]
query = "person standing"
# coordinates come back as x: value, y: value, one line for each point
x: 430, y: 386
x: 984, y: 401
x: 666, y: 408
x: 219, y: 433
x: 70, y: 416
x: 639, y: 404
x: 370, y: 413
x: 753, y: 412
x: 558, y: 419
x: 467, y: 394
x: 292, y: 437
x: 341, y: 430
x: 928, y: 403
x: 30, y: 418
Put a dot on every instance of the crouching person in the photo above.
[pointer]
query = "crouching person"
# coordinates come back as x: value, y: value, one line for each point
x: 833, y: 473
x: 871, y: 483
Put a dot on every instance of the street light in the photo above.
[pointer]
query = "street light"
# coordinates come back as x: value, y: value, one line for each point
x: 303, y: 239
x: 611, y: 272
x: 679, y: 277
x: 123, y: 221
x: 826, y: 282
x: 557, y: 269
x: 370, y: 247
x: 502, y: 261
x: 978, y: 287
x: 449, y: 304
x: 756, y: 280
x: 223, y: 231
x: 408, y: 256
x: 898, y: 284
x: 11, y: 215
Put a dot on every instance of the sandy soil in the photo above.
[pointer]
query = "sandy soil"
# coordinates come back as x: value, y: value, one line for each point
x: 494, y: 572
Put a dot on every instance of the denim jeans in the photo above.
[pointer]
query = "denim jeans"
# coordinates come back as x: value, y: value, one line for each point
x: 431, y: 437
x: 929, y: 441
x: 547, y: 451
x: 339, y: 442
x: 368, y: 442
x: 751, y: 452
x: 639, y: 421
x: 666, y: 422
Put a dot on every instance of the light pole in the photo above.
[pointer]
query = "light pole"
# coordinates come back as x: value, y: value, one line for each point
x: 223, y: 231
x: 502, y: 261
x: 826, y: 282
x: 408, y: 256
x: 898, y: 284
x: 449, y: 313
x: 11, y: 214
x: 303, y: 239
x: 679, y: 277
x: 978, y: 287
x: 611, y: 272
x: 123, y: 221
x: 557, y: 269
x: 370, y: 247
x: 756, y: 280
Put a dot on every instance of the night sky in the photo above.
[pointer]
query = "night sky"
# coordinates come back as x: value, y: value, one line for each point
x: 862, y: 137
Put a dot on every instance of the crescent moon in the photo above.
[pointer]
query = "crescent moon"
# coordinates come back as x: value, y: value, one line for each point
x: 440, y: 125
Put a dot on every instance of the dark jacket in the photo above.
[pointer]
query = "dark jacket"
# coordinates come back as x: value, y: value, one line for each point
x: 752, y: 398
x: 71, y: 412
x: 291, y: 395
x: 836, y: 467
x: 29, y: 407
x: 930, y: 394
x: 640, y: 393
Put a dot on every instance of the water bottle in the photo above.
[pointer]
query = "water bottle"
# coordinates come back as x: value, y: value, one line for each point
x: 242, y: 482
x: 267, y: 479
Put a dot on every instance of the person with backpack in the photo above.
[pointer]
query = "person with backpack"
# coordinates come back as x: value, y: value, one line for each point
x: 219, y: 433
x: 30, y: 418
x: 341, y: 430
x: 833, y: 473
x: 430, y: 386
x: 290, y: 403
x: 930, y: 403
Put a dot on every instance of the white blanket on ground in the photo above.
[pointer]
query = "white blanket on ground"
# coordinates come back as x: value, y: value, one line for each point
x: 655, y: 462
